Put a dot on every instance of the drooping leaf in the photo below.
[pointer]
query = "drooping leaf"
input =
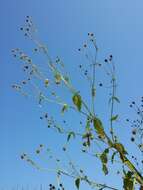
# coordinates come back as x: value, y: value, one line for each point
x: 113, y: 156
x: 114, y: 118
x: 77, y: 101
x: 104, y: 160
x: 103, y: 156
x: 116, y: 99
x: 77, y: 183
x: 105, y: 169
x: 99, y: 127
x: 70, y: 134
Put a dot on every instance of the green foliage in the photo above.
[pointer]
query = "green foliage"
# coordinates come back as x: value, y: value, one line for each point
x: 114, y: 118
x: 104, y: 160
x: 91, y: 124
x: 77, y: 101
x: 58, y: 78
x: 77, y: 183
x: 114, y: 98
x: 99, y: 127
x: 128, y: 181
x: 70, y: 134
x: 113, y: 156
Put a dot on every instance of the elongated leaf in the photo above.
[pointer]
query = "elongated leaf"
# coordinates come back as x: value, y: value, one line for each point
x: 105, y: 169
x: 116, y: 99
x: 99, y: 127
x: 104, y: 160
x: 71, y: 134
x: 114, y: 118
x: 113, y: 156
x: 103, y: 156
x: 77, y: 183
x: 77, y: 101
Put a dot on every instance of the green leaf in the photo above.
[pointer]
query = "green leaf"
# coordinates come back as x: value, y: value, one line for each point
x: 57, y: 78
x: 71, y: 134
x: 103, y: 156
x: 116, y: 99
x: 77, y: 101
x: 120, y: 148
x: 77, y: 183
x: 128, y: 182
x: 104, y: 160
x: 114, y: 118
x: 105, y: 169
x: 99, y: 127
x: 113, y: 156
x: 64, y: 108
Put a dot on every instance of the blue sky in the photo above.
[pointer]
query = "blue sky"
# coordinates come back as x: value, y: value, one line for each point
x: 63, y: 25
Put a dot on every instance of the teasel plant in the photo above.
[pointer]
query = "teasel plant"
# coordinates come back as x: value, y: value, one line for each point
x: 96, y: 140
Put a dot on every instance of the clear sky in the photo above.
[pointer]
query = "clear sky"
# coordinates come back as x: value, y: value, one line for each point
x: 63, y: 25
